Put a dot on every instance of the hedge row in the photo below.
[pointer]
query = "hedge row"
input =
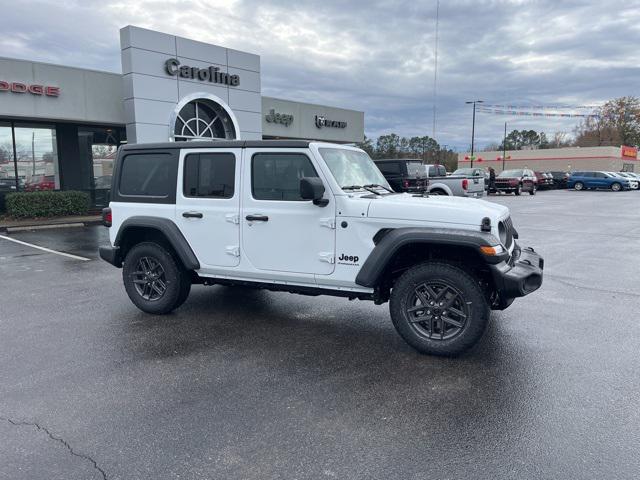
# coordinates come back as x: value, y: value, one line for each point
x: 46, y: 204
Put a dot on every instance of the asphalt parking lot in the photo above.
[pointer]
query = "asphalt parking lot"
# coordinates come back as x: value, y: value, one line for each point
x: 244, y: 384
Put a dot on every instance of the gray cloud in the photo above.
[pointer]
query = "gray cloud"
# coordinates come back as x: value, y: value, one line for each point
x: 375, y: 56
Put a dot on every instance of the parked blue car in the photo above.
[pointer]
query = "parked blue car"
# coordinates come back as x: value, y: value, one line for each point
x: 593, y: 180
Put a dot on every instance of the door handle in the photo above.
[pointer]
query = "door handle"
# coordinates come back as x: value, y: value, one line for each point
x: 192, y: 215
x: 257, y: 218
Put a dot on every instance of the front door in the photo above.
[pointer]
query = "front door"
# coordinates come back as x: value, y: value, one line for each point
x: 280, y: 231
x: 208, y: 205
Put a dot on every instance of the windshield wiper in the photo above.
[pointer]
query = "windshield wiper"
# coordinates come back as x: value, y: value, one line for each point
x: 362, y: 187
x: 374, y: 185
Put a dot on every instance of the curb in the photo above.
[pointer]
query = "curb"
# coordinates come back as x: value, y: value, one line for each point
x: 40, y: 226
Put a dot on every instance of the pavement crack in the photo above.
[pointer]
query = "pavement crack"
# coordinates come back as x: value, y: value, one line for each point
x: 59, y: 440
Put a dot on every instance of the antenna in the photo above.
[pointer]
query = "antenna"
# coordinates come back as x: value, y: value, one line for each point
x: 435, y: 71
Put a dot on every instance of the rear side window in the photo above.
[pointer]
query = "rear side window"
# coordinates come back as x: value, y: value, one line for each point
x: 210, y: 175
x: 415, y: 169
x: 276, y: 176
x: 147, y: 174
x: 389, y: 168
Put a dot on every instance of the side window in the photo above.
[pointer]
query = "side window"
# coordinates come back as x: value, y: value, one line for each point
x: 276, y: 176
x: 147, y: 174
x: 600, y: 175
x: 389, y: 168
x: 210, y: 175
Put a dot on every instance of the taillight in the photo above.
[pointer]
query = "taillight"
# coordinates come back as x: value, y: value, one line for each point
x: 405, y: 183
x: 106, y: 217
x: 465, y: 184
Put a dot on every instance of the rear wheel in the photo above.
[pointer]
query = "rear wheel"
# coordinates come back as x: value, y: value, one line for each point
x: 155, y: 282
x: 579, y: 186
x: 438, y: 309
x: 616, y: 187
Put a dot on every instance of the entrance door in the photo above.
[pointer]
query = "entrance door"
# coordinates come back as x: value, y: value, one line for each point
x: 280, y: 231
x: 208, y: 204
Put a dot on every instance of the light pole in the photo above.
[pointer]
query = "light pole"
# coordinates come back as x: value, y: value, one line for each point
x: 504, y: 146
x: 473, y: 125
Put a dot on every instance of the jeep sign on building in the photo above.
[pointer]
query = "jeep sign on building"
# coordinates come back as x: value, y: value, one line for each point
x: 60, y: 126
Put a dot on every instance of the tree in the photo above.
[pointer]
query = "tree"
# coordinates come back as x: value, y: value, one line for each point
x: 524, y: 140
x: 616, y: 123
x: 388, y: 146
x: 367, y: 146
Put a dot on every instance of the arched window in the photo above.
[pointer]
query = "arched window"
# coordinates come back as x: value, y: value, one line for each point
x: 203, y: 118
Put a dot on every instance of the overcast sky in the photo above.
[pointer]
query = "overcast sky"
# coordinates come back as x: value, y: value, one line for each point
x: 377, y: 57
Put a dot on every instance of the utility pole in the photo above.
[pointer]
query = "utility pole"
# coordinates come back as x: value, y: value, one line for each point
x: 473, y: 125
x: 435, y: 71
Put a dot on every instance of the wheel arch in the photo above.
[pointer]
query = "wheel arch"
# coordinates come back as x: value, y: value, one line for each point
x: 139, y: 229
x: 403, y: 248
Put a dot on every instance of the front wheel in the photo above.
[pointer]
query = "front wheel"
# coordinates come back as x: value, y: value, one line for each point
x: 517, y: 190
x: 533, y: 190
x: 616, y: 187
x: 438, y: 309
x: 155, y: 282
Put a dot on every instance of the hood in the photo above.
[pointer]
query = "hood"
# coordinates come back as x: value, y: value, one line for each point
x: 436, y: 208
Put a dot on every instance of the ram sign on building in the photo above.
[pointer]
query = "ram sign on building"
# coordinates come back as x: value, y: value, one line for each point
x: 60, y: 126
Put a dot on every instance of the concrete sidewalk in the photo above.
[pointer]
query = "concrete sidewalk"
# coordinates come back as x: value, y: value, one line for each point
x: 15, y: 225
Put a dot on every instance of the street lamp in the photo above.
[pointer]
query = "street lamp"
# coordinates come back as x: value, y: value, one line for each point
x: 473, y: 124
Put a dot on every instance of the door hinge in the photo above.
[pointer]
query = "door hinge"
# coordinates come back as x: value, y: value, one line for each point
x: 327, y: 257
x: 233, y: 250
x: 328, y: 222
x: 232, y: 218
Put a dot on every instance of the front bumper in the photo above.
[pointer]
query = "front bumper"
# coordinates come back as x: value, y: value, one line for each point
x: 517, y: 277
x: 111, y: 255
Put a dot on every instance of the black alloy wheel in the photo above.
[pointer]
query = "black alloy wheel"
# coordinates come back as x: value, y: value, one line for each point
x: 149, y: 279
x: 437, y: 310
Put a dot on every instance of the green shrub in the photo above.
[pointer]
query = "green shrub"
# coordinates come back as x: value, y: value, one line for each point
x: 46, y: 204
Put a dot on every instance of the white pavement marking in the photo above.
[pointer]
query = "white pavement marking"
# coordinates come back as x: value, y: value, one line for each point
x: 76, y: 257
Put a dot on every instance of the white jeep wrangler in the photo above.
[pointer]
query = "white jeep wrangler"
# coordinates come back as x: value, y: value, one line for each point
x: 311, y: 218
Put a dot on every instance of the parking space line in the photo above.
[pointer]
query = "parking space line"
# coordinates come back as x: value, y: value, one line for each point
x: 76, y: 257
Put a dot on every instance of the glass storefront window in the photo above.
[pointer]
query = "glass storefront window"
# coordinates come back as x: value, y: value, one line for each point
x: 7, y: 167
x: 36, y: 157
x: 98, y: 148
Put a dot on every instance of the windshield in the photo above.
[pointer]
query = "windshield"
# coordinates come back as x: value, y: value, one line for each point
x: 416, y: 169
x: 350, y: 167
x: 511, y: 173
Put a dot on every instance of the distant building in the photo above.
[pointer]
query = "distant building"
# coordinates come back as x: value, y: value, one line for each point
x: 612, y: 159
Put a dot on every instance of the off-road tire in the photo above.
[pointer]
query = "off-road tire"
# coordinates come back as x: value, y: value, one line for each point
x: 616, y: 187
x: 174, y: 277
x: 578, y: 186
x: 420, y: 335
x: 518, y: 190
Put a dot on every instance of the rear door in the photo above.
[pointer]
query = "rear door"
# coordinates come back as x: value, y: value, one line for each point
x: 280, y: 231
x: 208, y: 205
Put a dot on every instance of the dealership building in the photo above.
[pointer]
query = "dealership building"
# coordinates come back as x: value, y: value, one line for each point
x: 60, y: 126
x: 609, y: 159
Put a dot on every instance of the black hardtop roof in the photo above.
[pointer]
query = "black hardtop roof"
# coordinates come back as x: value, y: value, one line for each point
x: 220, y: 144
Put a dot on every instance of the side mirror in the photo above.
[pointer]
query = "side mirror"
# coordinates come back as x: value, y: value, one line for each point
x: 311, y: 188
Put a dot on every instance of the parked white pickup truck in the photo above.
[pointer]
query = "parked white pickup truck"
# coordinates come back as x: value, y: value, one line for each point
x: 316, y: 219
x: 411, y: 175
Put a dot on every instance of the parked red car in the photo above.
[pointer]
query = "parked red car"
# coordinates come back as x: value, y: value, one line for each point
x: 517, y: 181
x: 40, y: 182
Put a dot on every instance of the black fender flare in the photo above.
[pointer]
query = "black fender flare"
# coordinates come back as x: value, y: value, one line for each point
x: 170, y: 231
x: 383, y: 253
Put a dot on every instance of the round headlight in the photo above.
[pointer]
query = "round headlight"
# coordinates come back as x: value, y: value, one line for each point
x: 502, y: 232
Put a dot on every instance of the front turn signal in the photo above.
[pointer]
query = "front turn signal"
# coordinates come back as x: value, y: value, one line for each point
x: 492, y: 250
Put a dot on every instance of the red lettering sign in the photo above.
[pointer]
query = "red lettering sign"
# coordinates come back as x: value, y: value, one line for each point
x: 37, y: 89
x: 17, y: 87
x: 629, y: 152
